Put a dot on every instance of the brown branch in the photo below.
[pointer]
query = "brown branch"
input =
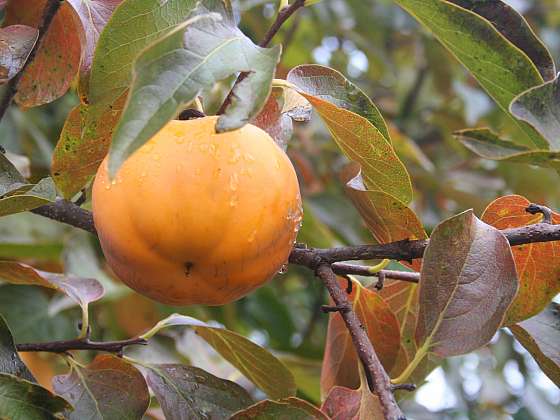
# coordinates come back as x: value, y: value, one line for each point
x: 283, y: 16
x: 82, y: 344
x: 67, y: 212
x: 380, y: 381
x: 49, y: 13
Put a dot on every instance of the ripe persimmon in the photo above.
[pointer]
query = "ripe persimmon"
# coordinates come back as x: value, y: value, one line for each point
x: 196, y: 217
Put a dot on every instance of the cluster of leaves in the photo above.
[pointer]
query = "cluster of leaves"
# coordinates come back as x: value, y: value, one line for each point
x: 138, y: 63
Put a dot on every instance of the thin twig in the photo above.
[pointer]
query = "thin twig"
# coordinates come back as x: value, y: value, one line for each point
x: 363, y: 270
x: 49, y: 12
x: 283, y: 16
x: 380, y: 381
x: 82, y: 344
x: 545, y: 211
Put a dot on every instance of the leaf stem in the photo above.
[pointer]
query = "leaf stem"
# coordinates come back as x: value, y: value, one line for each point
x: 409, y: 370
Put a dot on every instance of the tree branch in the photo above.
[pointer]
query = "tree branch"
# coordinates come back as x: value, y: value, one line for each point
x: 81, y: 344
x: 375, y: 371
x: 343, y: 269
x: 49, y: 13
x: 283, y: 16
x: 67, y: 212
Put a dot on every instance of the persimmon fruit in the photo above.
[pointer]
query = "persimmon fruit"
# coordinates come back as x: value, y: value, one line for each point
x: 196, y: 217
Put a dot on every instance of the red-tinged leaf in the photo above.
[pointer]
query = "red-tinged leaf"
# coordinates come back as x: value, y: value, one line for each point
x: 94, y: 15
x: 57, y: 61
x: 468, y: 283
x: 83, y: 144
x: 289, y: 408
x: 340, y: 363
x: 540, y: 335
x: 16, y: 42
x: 538, y: 264
x: 387, y: 218
x: 187, y: 392
x: 81, y: 290
x: 107, y: 388
x: 282, y: 106
x: 353, y: 404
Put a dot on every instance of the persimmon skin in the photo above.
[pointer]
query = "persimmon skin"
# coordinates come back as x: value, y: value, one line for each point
x: 195, y: 217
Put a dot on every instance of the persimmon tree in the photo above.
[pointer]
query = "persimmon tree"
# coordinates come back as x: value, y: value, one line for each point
x: 138, y: 64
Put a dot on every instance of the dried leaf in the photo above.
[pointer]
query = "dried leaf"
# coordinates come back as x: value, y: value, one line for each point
x: 538, y: 264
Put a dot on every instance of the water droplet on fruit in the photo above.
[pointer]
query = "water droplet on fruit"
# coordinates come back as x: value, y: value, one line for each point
x: 283, y: 269
x: 179, y: 140
x: 252, y: 236
x: 249, y: 157
x: 148, y: 148
x: 189, y: 146
x: 233, y: 182
x: 233, y: 201
x: 114, y: 182
x: 157, y: 156
x: 235, y: 156
x: 108, y: 187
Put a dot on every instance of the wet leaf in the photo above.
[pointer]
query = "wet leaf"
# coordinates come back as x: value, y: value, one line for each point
x: 16, y: 42
x: 540, y: 107
x: 83, y: 291
x: 288, y: 408
x: 174, y: 320
x: 10, y: 361
x: 340, y: 362
x: 257, y: 364
x: 540, y: 336
x: 187, y: 392
x: 57, y: 61
x: 468, y: 283
x: 205, y: 49
x: 488, y: 145
x: 501, y: 68
x: 108, y: 387
x: 515, y: 28
x: 538, y: 264
x: 23, y: 400
x: 387, y: 218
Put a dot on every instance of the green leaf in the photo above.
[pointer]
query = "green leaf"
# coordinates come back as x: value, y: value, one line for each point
x: 10, y: 178
x: 360, y: 139
x: 501, y: 68
x: 23, y: 400
x: 27, y: 197
x: 257, y: 364
x: 187, y: 392
x: 540, y: 336
x: 16, y: 42
x: 387, y: 218
x: 10, y: 361
x: 87, y: 134
x: 515, y: 28
x: 253, y: 361
x: 288, y: 408
x: 108, y: 388
x: 468, y: 283
x: 173, y: 71
x: 26, y: 309
x: 486, y: 144
x: 540, y: 107
x: 331, y: 86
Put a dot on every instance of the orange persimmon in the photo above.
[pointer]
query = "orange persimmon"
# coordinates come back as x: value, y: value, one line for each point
x: 196, y: 217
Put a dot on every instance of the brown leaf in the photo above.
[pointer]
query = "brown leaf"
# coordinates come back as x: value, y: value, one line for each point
x: 16, y: 42
x: 107, y: 388
x: 340, y: 363
x: 289, y: 408
x: 57, y: 61
x: 353, y: 404
x: 540, y: 335
x: 468, y: 283
x: 538, y: 264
